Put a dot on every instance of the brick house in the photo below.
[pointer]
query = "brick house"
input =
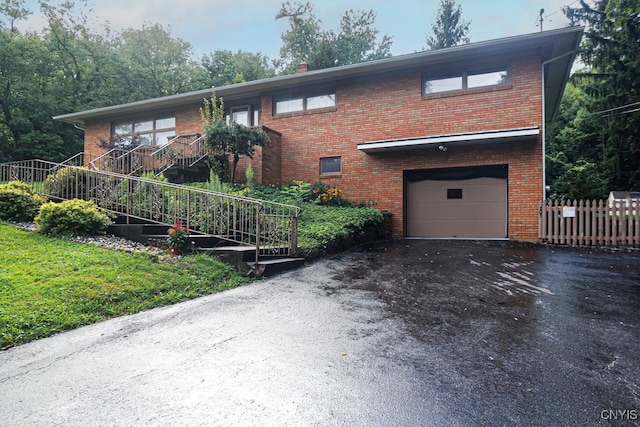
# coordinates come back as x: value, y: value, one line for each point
x: 450, y: 142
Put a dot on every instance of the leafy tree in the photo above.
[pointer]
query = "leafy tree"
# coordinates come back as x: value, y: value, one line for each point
x: 31, y: 89
x: 156, y: 64
x: 224, y: 67
x: 356, y: 41
x: 448, y: 29
x: 573, y: 151
x: 13, y: 10
x: 611, y: 83
x: 229, y: 138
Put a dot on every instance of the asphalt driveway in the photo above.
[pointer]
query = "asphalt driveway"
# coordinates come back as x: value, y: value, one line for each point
x: 401, y: 333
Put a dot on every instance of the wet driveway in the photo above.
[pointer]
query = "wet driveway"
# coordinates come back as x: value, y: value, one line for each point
x: 401, y: 333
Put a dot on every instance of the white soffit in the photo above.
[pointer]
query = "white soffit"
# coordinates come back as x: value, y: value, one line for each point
x: 519, y: 134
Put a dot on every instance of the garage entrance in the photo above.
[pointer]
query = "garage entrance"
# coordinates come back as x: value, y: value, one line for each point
x: 466, y: 202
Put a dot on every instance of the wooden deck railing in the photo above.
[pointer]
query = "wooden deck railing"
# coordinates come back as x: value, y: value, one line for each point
x: 590, y: 222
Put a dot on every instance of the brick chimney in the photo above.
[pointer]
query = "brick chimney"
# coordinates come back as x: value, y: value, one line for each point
x: 302, y: 67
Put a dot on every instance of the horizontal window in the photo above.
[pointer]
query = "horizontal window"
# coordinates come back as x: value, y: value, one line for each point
x: 330, y: 165
x: 321, y: 101
x: 145, y: 132
x: 466, y: 80
x: 491, y: 78
x: 284, y: 105
x: 289, y: 105
x: 447, y: 84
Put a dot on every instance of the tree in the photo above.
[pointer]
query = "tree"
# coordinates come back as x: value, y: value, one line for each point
x: 156, y: 64
x: 32, y: 88
x: 229, y: 138
x: 611, y: 83
x: 448, y: 29
x: 13, y: 10
x: 356, y: 41
x: 224, y: 67
x: 574, y: 158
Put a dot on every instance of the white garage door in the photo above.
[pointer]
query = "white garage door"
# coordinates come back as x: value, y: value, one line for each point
x: 464, y: 208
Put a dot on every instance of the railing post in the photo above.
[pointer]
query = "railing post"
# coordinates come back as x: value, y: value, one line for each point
x: 259, y: 210
x: 293, y: 240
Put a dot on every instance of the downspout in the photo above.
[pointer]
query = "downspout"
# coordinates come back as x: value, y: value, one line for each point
x: 544, y: 122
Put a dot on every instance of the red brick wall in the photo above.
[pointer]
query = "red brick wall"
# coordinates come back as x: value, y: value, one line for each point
x: 395, y: 108
x: 188, y: 120
x: 93, y: 133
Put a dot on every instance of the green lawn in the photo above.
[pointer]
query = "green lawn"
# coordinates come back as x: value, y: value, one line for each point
x: 50, y: 285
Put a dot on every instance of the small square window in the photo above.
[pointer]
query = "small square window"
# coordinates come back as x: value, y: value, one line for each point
x: 454, y: 193
x: 330, y: 165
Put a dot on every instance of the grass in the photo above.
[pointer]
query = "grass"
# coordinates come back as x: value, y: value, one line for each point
x: 49, y: 285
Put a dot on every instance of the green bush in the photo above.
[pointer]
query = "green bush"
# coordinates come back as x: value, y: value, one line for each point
x: 67, y: 183
x: 72, y: 218
x: 323, y: 230
x: 18, y: 202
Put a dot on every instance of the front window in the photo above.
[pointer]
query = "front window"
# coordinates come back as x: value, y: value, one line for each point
x: 156, y: 132
x: 247, y: 115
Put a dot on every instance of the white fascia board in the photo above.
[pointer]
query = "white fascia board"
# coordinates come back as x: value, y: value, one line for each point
x: 400, y: 144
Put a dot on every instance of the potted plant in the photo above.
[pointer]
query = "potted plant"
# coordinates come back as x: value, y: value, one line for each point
x: 176, y: 238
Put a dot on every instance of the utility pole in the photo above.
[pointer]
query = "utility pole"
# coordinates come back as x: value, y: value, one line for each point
x: 540, y: 18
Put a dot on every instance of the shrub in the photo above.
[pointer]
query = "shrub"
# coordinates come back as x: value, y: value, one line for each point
x: 72, y: 218
x: 18, y: 202
x: 323, y: 230
x: 67, y: 182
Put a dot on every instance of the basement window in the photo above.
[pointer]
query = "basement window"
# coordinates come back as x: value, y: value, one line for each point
x: 330, y: 165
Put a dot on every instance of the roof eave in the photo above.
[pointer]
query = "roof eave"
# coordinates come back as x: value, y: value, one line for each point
x: 570, y: 35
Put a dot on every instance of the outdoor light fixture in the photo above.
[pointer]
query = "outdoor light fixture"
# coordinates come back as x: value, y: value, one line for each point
x: 442, y: 148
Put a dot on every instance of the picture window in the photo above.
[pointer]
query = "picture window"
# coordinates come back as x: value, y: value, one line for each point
x: 153, y: 132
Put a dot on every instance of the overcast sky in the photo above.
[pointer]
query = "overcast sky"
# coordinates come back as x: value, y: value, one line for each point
x: 250, y: 25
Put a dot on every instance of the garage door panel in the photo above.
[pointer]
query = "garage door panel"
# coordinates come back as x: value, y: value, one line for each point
x: 461, y: 211
x: 480, y: 213
x: 476, y: 229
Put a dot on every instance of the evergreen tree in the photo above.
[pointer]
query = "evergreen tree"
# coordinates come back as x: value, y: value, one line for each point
x: 448, y: 30
x: 607, y: 134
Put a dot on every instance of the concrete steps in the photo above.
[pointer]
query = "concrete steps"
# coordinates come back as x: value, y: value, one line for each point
x: 241, y: 257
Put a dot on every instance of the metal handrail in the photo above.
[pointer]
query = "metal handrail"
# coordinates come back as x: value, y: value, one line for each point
x: 176, y: 152
x: 105, y: 156
x: 268, y: 226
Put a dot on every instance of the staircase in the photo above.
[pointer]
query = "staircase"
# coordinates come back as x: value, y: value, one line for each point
x: 254, y: 235
x: 182, y: 159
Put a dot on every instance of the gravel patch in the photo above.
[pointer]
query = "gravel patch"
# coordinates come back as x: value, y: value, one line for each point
x: 106, y: 241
